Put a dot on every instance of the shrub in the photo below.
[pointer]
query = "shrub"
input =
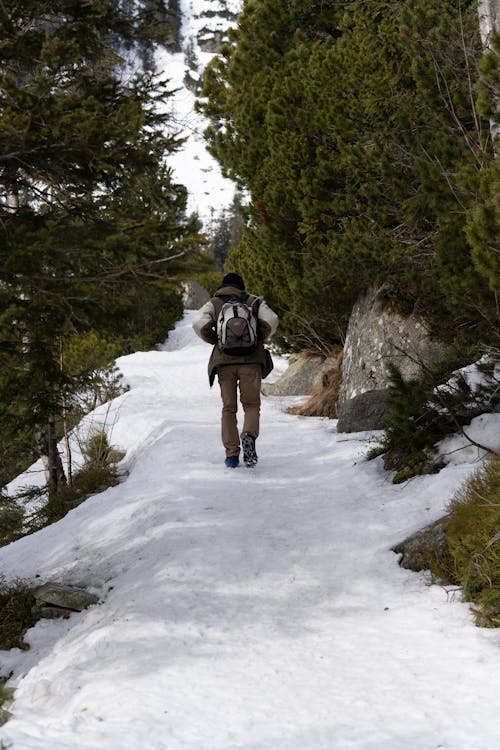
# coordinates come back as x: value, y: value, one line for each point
x: 97, y: 474
x: 89, y: 362
x: 16, y: 616
x: 473, y: 534
x: 11, y: 520
x: 423, y: 411
x: 5, y: 694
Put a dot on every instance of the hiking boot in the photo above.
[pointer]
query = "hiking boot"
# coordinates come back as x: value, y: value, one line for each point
x: 249, y: 453
x: 232, y: 462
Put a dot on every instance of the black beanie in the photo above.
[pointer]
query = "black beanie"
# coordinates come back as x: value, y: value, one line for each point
x: 232, y: 279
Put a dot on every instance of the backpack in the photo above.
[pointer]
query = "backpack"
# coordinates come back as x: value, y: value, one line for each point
x: 237, y: 326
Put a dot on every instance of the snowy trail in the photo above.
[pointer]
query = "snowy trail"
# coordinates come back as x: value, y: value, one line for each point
x: 246, y: 609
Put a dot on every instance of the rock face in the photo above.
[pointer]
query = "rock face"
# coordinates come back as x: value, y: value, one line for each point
x: 425, y: 548
x: 300, y: 376
x: 207, y: 25
x: 54, y: 600
x: 194, y: 295
x: 376, y: 336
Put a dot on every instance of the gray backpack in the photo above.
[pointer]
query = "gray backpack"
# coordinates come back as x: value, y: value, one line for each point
x: 237, y: 325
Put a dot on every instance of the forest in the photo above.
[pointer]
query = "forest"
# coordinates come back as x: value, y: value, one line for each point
x: 360, y: 136
x: 361, y: 132
x: 94, y: 229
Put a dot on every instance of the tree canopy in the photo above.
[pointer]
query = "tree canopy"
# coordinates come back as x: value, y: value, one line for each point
x: 93, y: 227
x: 355, y: 129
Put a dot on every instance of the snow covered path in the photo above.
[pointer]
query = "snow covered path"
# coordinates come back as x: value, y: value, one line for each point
x: 246, y: 609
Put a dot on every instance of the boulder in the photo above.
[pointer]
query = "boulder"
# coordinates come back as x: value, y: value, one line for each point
x: 55, y: 600
x: 426, y: 548
x: 4, y: 718
x: 363, y: 412
x: 299, y: 377
x: 376, y: 335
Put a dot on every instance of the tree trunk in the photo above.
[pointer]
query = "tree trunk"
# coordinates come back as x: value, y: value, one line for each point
x: 46, y: 442
x: 64, y: 405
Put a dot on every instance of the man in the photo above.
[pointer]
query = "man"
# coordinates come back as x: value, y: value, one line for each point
x: 237, y: 366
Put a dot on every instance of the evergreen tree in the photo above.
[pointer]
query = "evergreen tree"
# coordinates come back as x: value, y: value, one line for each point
x: 225, y: 232
x: 483, y: 219
x: 355, y: 130
x: 92, y: 222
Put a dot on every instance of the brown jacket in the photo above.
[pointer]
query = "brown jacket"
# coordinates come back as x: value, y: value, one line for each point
x: 205, y: 322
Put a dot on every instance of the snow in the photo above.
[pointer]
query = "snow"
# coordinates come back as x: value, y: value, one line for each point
x: 473, y: 375
x: 483, y: 430
x: 209, y: 192
x: 247, y: 609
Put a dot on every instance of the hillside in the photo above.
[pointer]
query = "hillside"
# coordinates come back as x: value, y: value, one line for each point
x: 252, y: 609
x: 203, y: 26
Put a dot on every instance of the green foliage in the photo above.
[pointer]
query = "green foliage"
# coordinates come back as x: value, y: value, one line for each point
x: 423, y: 411
x: 94, y: 232
x: 353, y: 128
x: 96, y: 448
x: 141, y: 319
x: 224, y: 232
x: 90, y: 480
x: 474, y: 542
x: 16, y: 449
x: 11, y: 520
x: 483, y: 219
x: 88, y: 361
x: 16, y: 616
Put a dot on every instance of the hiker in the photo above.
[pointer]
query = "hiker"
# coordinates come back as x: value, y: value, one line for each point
x: 237, y: 323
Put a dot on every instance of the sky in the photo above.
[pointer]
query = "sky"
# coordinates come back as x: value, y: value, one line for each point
x: 246, y: 609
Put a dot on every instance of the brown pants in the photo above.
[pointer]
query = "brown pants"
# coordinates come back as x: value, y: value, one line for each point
x: 248, y: 377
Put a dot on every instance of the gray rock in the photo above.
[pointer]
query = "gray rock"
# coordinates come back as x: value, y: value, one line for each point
x: 299, y: 377
x: 426, y: 547
x: 363, y: 412
x: 376, y: 336
x: 53, y: 595
x: 4, y: 717
x: 52, y: 613
x: 211, y: 40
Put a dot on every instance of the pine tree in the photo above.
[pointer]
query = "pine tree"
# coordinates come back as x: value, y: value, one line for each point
x: 483, y: 219
x: 355, y: 130
x: 92, y: 222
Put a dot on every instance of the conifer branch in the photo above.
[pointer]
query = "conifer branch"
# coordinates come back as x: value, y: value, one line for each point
x: 113, y: 273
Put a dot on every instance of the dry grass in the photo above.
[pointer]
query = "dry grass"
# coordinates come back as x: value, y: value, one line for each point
x: 474, y: 541
x: 11, y: 520
x: 323, y: 399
